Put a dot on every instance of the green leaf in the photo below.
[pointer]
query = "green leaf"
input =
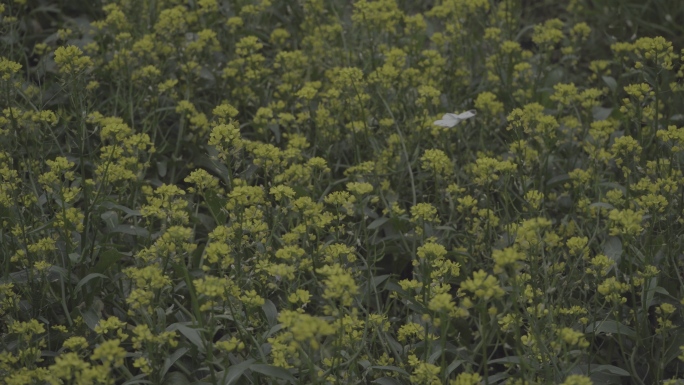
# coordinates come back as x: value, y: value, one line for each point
x: 215, y: 205
x: 131, y: 230
x: 270, y: 311
x: 650, y: 292
x: 207, y: 221
x: 386, y: 381
x: 601, y: 113
x: 493, y: 379
x: 129, y: 212
x: 506, y: 360
x: 661, y: 290
x: 91, y: 318
x: 236, y: 371
x: 377, y: 280
x: 273, y: 372
x: 377, y: 223
x: 161, y: 168
x: 554, y: 77
x: 87, y: 279
x: 612, y: 248
x: 640, y: 257
x: 217, y: 167
x: 435, y: 355
x: 389, y: 368
x: 139, y: 379
x: 453, y: 366
x: 300, y: 191
x: 558, y: 179
x: 610, y: 327
x: 107, y: 259
x: 673, y: 351
x: 75, y: 257
x: 275, y: 129
x: 603, y: 205
x: 176, y: 378
x: 609, y: 369
x: 193, y: 335
x: 110, y: 218
x: 170, y: 360
x: 274, y: 329
x: 610, y: 82
x: 613, y: 186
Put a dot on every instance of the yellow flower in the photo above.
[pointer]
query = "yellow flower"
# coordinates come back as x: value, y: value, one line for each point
x: 612, y: 290
x: 67, y: 366
x: 382, y: 15
x: 230, y: 345
x: 467, y: 379
x: 431, y: 251
x: 70, y: 60
x: 487, y: 170
x: 534, y: 199
x: 143, y: 364
x: 424, y: 212
x: 410, y: 330
x: 305, y: 328
x: 339, y: 284
x: 110, y: 353
x: 425, y: 374
x: 437, y: 162
x: 360, y: 188
x: 548, y: 34
x: 565, y: 94
x: 26, y: 329
x: 577, y: 379
x: 483, y: 286
x: 442, y: 302
x: 252, y: 299
x: 573, y: 338
x: 8, y: 68
x: 506, y: 257
x: 625, y: 222
x: 488, y: 104
x: 656, y: 50
x: 166, y: 203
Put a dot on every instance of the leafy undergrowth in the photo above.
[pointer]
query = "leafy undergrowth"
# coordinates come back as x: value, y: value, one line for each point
x: 255, y: 192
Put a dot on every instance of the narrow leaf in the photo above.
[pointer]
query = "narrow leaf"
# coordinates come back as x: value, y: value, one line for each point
x: 610, y: 82
x: 386, y: 381
x: 110, y: 218
x: 87, y: 279
x: 170, y: 360
x: 612, y: 248
x: 131, y: 230
x: 270, y: 311
x: 377, y: 223
x: 273, y: 372
x: 610, y: 369
x: 389, y: 368
x: 612, y: 327
x: 193, y: 335
x: 107, y: 259
x: 236, y: 371
x: 176, y: 378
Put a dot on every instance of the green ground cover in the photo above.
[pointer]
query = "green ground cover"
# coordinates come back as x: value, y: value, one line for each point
x: 256, y: 192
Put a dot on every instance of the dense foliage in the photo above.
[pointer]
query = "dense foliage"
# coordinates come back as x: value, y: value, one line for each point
x: 255, y: 192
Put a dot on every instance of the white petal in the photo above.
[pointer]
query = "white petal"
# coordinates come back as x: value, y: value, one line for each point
x: 467, y: 114
x: 445, y: 123
x: 450, y: 120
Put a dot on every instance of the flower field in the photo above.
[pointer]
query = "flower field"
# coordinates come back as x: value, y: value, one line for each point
x: 387, y: 192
